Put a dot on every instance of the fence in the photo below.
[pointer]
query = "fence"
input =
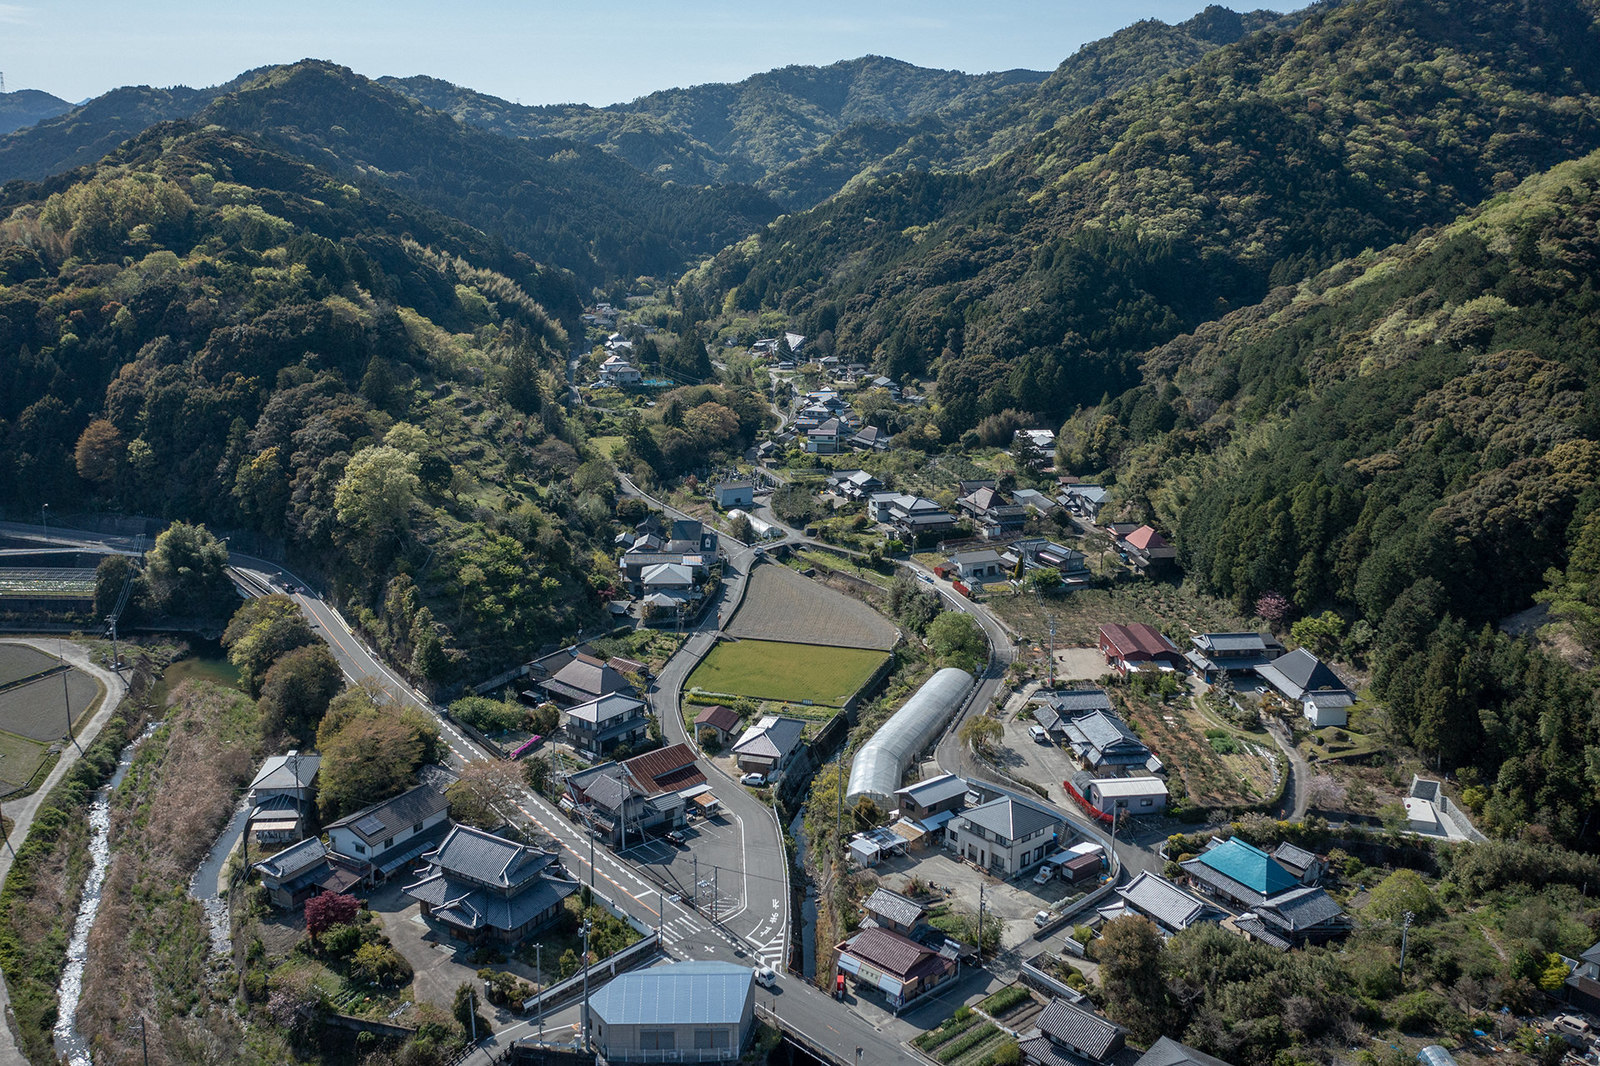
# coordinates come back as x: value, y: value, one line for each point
x: 1037, y: 979
x: 561, y: 992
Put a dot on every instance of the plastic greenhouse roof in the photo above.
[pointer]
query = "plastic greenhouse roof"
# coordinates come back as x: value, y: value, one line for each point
x: 882, y: 760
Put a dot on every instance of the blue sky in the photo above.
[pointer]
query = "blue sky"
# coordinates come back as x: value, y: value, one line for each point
x: 536, y: 51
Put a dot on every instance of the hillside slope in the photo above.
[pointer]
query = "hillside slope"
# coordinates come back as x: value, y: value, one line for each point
x: 27, y: 106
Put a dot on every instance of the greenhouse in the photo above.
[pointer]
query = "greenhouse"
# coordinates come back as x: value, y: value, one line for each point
x: 882, y: 760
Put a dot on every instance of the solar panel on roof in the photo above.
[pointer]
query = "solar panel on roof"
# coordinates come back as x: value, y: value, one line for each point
x: 370, y: 824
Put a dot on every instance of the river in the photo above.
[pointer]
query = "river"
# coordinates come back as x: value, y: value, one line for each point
x: 69, y: 1042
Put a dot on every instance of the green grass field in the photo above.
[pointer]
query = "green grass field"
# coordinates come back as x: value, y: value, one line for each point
x: 19, y: 758
x: 772, y: 670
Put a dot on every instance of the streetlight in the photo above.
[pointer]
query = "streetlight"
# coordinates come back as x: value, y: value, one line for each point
x: 44, y: 516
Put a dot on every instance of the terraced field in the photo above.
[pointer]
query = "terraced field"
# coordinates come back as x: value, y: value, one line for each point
x: 783, y: 605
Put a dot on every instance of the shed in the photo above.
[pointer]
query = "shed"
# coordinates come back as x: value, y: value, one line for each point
x: 865, y: 851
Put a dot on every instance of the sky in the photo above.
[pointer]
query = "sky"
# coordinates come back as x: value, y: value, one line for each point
x: 536, y: 51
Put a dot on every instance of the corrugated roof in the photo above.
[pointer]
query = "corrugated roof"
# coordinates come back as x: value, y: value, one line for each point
x: 894, y: 907
x: 679, y: 993
x: 1231, y: 642
x: 287, y: 771
x: 1162, y: 900
x: 723, y: 718
x: 1145, y: 538
x: 935, y: 789
x: 886, y: 950
x: 668, y: 769
x: 1137, y: 641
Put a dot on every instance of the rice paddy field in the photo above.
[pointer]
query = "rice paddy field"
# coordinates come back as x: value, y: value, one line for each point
x: 778, y: 670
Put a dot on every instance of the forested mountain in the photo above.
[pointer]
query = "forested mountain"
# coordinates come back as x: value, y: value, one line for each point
x: 203, y: 326
x: 1033, y: 283
x: 27, y: 106
x: 82, y: 135
x: 741, y: 131
x: 977, y: 136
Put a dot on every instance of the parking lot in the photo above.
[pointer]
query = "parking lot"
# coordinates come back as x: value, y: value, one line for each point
x: 710, y: 871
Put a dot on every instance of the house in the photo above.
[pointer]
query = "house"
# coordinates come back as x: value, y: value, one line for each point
x: 854, y: 484
x: 1072, y: 565
x: 636, y: 561
x: 720, y: 720
x: 908, y: 515
x: 1303, y: 679
x: 582, y: 679
x: 382, y: 838
x: 1084, y: 500
x: 667, y: 770
x: 1068, y: 1035
x: 1583, y: 986
x: 303, y: 870
x: 1033, y: 500
x: 1137, y: 647
x: 1215, y: 655
x: 1238, y: 873
x: 994, y: 515
x: 617, y: 372
x: 1102, y: 744
x: 689, y: 536
x: 1108, y: 795
x: 1005, y: 835
x: 1303, y: 915
x: 870, y: 439
x: 601, y: 724
x: 734, y: 494
x: 1146, y: 549
x: 882, y: 961
x: 679, y: 1012
x: 1305, y: 865
x: 1072, y: 702
x: 892, y: 911
x: 1168, y: 1052
x: 935, y: 795
x: 1161, y: 901
x: 1044, y: 440
x: 768, y: 746
x: 486, y: 889
x: 281, y: 795
x: 666, y: 577
x: 614, y: 805
x: 977, y: 567
x: 825, y: 437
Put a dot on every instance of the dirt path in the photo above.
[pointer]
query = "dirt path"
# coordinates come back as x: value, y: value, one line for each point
x: 23, y: 812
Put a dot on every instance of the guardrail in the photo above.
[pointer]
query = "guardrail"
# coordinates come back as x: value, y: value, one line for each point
x: 561, y: 992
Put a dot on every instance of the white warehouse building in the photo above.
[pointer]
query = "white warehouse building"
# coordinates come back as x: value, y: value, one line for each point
x: 882, y: 760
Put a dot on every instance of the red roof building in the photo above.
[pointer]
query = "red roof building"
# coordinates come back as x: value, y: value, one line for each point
x: 1137, y: 647
x: 669, y: 769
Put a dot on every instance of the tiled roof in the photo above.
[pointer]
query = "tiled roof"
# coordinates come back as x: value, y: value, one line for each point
x: 1162, y: 900
x: 613, y: 707
x: 1145, y: 538
x: 1011, y: 818
x: 481, y: 856
x: 1079, y: 700
x: 1072, y: 1025
x: 1231, y: 642
x: 894, y: 907
x: 585, y: 676
x: 381, y: 820
x: 1103, y: 732
x: 771, y: 737
x: 466, y: 906
x: 1298, y: 673
x: 1297, y: 858
x: 1300, y: 909
x: 1168, y: 1052
x: 679, y: 993
x: 294, y: 859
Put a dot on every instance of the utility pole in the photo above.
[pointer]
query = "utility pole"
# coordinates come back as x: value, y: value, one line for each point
x: 472, y: 1011
x: 144, y: 1044
x: 591, y: 855
x: 587, y: 925
x: 66, y: 692
x: 538, y: 984
x: 1405, y: 928
x: 981, y: 887
x: 1052, y: 668
x: 714, y: 872
x: 696, y: 859
x: 9, y: 846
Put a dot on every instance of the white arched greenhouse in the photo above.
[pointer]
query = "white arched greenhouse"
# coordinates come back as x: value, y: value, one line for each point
x: 882, y: 760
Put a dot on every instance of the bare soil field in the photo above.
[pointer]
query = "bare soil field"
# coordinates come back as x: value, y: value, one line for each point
x: 18, y: 661
x: 1173, y: 609
x: 1181, y: 735
x: 782, y: 605
x: 38, y: 710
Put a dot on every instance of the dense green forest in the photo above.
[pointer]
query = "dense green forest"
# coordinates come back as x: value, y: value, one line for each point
x: 1031, y: 283
x: 204, y: 327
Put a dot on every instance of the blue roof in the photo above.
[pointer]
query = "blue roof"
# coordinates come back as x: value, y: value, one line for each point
x: 1250, y: 866
x: 679, y: 993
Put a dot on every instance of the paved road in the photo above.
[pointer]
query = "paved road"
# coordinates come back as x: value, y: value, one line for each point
x: 22, y: 812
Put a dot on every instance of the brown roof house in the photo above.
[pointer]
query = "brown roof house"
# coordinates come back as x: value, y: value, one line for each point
x: 902, y: 971
x: 724, y: 721
x: 1137, y: 647
x: 583, y: 679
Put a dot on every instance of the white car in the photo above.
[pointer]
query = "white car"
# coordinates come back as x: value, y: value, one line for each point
x: 766, y: 977
x: 1038, y: 734
x: 1046, y: 872
x: 754, y: 780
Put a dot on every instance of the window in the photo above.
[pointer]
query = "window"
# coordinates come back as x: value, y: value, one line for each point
x: 361, y: 849
x: 657, y: 1040
x: 389, y: 843
x: 707, y: 1039
x: 1147, y: 803
x: 417, y: 828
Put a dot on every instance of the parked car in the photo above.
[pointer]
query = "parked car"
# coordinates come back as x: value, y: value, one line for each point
x: 1046, y: 872
x: 676, y: 836
x: 753, y: 779
x: 1038, y: 734
x: 1043, y: 918
x: 766, y: 976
